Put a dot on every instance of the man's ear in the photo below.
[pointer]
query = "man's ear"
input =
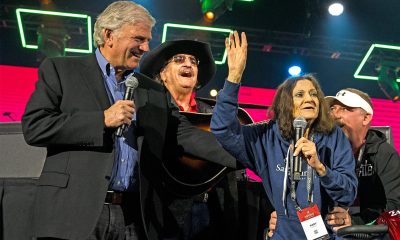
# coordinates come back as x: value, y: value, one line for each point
x: 108, y: 36
x: 163, y: 75
x: 367, y: 119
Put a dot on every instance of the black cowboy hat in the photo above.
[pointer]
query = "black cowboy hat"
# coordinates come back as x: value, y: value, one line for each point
x: 155, y: 60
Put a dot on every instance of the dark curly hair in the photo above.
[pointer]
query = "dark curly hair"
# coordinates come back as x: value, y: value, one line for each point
x: 282, y: 108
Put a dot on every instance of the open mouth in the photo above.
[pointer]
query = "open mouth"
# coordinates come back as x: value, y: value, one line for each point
x: 308, y: 108
x: 136, y: 53
x: 186, y: 73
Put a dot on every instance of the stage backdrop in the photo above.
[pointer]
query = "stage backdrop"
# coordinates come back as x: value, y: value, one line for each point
x: 17, y: 84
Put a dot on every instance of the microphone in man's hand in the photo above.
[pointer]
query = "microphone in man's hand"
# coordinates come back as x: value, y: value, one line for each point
x: 299, y: 125
x: 131, y: 84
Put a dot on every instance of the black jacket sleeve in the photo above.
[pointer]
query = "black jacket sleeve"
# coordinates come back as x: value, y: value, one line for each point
x: 57, y: 114
x: 381, y: 191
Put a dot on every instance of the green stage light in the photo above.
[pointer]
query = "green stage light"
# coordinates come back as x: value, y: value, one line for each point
x: 210, y: 5
x: 213, y: 9
x: 224, y: 31
x: 387, y: 73
x: 367, y: 56
x: 88, y: 19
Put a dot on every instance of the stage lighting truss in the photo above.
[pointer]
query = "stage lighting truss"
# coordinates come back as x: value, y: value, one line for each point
x: 377, y: 54
x: 20, y: 12
x: 172, y: 31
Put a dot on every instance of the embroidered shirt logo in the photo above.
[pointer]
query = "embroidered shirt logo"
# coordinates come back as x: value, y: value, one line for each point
x: 281, y: 168
x: 365, y: 169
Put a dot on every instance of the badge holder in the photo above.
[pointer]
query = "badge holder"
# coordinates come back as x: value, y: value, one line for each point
x: 312, y: 223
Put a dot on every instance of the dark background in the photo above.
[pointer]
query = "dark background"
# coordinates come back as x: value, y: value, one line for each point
x: 299, y: 31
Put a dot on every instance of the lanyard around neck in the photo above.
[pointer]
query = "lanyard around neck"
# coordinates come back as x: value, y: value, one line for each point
x: 309, y: 179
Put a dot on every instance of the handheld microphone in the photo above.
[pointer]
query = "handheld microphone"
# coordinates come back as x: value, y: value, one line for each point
x: 299, y: 125
x: 131, y: 84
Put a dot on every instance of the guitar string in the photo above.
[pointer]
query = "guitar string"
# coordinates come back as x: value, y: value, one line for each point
x: 193, y: 185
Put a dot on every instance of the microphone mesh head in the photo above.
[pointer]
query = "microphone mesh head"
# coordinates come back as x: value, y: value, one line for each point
x: 132, y: 82
x: 300, y: 122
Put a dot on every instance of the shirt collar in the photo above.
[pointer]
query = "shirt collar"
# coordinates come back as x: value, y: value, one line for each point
x: 103, y: 63
x: 106, y: 67
x: 192, y: 104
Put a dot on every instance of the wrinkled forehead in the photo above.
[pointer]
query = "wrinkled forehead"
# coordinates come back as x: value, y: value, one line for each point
x: 304, y: 84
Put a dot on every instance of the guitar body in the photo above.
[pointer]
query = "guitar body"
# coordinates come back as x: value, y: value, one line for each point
x: 189, y: 176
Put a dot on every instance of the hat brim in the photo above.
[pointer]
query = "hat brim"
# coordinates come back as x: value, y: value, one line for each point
x: 330, y: 99
x: 155, y: 60
x: 349, y: 99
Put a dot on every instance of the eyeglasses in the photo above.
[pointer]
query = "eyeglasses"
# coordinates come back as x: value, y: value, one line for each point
x: 180, y: 59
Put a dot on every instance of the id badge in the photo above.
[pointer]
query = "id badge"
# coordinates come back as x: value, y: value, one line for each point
x: 312, y: 223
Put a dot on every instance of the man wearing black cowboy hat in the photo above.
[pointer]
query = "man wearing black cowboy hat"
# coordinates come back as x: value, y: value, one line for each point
x: 178, y: 51
x: 184, y: 66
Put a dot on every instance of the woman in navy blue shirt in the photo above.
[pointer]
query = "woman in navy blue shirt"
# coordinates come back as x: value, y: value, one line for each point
x: 327, y: 175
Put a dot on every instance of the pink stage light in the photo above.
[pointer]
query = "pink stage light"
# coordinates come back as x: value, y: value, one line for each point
x: 18, y: 83
x: 16, y: 86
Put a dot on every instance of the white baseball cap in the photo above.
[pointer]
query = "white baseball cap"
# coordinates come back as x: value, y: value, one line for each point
x: 350, y: 99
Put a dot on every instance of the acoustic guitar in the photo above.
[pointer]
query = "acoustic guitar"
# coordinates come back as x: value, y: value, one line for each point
x: 189, y: 176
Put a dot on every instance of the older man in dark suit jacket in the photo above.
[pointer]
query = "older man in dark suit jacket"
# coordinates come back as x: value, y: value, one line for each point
x: 88, y: 188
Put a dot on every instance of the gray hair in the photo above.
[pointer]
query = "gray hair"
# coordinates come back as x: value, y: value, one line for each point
x: 118, y: 14
x: 158, y: 79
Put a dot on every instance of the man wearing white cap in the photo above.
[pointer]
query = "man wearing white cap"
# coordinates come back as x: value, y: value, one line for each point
x: 378, y: 163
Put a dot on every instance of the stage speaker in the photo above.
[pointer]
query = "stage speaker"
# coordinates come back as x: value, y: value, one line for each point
x: 387, y: 130
x: 18, y: 159
x: 20, y: 167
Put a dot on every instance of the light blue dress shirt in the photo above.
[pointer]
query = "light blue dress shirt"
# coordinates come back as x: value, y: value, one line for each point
x: 123, y: 176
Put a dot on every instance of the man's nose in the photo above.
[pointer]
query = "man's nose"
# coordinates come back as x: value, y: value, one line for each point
x: 334, y: 114
x: 187, y: 62
x: 144, y: 46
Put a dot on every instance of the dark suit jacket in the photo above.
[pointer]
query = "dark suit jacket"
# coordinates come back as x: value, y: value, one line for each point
x: 65, y: 115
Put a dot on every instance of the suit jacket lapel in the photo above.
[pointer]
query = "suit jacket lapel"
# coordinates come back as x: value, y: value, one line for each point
x: 93, y: 79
